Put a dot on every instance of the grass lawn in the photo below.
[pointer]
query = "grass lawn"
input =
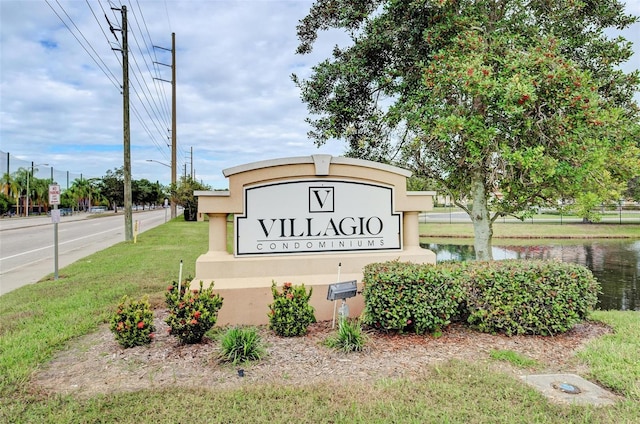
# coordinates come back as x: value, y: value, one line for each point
x: 538, y: 230
x: 38, y: 320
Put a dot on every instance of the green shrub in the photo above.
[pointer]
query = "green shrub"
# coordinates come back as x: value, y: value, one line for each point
x: 191, y: 312
x: 290, y: 313
x: 132, y: 323
x: 240, y: 345
x: 403, y: 296
x: 528, y: 297
x: 349, y: 337
x: 6, y: 204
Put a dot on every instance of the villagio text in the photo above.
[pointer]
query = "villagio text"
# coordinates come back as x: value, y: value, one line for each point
x: 317, y: 216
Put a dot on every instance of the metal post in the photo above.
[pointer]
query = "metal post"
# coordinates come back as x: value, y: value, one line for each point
x: 26, y: 209
x: 55, y: 248
x: 55, y: 237
x: 54, y: 199
x: 620, y: 211
x: 28, y: 175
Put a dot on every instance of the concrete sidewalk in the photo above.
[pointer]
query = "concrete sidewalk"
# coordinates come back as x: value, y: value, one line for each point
x: 33, y: 221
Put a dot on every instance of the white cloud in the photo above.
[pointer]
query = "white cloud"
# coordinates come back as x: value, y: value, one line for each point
x: 236, y: 101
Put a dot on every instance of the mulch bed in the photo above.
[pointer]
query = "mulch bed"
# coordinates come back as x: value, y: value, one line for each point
x: 96, y: 364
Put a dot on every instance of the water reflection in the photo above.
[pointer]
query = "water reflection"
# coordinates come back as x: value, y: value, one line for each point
x: 616, y: 264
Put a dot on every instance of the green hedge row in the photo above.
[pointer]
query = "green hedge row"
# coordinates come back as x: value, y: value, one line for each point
x: 510, y: 297
x: 528, y: 297
x: 410, y: 297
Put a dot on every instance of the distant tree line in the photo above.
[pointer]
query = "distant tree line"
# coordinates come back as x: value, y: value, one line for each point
x: 83, y: 194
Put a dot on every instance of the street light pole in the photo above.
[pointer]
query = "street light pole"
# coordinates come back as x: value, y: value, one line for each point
x: 161, y: 163
x: 168, y: 166
x: 26, y: 209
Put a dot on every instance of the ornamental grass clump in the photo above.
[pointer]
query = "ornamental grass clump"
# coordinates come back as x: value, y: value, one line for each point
x: 241, y: 344
x: 349, y: 337
x: 290, y: 314
x: 191, y: 312
x: 132, y: 323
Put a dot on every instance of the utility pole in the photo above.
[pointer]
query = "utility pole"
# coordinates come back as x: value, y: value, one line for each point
x: 174, y: 144
x: 128, y: 218
x: 8, y: 175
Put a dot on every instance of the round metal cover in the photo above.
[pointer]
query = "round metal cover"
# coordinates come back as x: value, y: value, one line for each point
x: 567, y: 388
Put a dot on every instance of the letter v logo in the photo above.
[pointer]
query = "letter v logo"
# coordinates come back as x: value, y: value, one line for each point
x: 321, y: 199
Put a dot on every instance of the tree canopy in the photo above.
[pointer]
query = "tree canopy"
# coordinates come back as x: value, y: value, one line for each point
x: 82, y: 194
x: 507, y: 104
x: 182, y: 194
x: 112, y: 187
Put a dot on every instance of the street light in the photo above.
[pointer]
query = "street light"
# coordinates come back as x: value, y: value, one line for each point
x: 173, y: 204
x: 28, y: 174
x: 161, y: 163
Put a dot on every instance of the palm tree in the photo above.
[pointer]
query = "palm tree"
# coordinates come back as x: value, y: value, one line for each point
x: 85, y: 192
x: 10, y: 188
x: 95, y: 195
x: 41, y: 192
x: 80, y: 192
x: 19, y: 186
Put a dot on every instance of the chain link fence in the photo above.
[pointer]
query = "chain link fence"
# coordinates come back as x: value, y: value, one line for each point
x: 9, y: 164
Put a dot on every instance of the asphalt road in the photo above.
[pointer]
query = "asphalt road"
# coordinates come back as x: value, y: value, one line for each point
x: 27, y: 244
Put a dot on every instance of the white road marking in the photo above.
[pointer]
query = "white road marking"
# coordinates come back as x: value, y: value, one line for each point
x: 51, y: 245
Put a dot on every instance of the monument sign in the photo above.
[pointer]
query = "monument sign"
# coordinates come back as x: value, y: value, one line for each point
x: 315, y: 216
x: 312, y: 220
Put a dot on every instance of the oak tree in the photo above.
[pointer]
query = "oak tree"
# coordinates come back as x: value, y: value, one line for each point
x: 508, y: 104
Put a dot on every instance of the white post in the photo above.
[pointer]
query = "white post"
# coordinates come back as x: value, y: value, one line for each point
x: 333, y: 320
x: 180, y: 278
x: 27, y: 209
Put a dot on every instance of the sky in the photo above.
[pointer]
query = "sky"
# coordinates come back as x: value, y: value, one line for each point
x: 60, y: 77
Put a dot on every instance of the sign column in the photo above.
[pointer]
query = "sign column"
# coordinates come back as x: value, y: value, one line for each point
x: 54, y: 200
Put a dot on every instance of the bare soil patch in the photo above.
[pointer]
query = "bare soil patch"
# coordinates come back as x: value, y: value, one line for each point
x: 96, y: 364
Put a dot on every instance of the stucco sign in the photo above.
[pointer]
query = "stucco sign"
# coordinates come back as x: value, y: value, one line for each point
x: 321, y: 215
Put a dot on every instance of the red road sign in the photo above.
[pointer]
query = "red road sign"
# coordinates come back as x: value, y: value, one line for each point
x: 54, y: 194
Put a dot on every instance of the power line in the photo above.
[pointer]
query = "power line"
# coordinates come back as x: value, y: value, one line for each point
x: 140, y: 92
x: 152, y: 116
x: 112, y: 77
x: 149, y: 103
x: 152, y: 98
x: 154, y: 105
x: 152, y: 54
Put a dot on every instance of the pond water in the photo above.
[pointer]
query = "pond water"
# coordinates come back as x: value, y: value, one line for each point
x: 616, y: 264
